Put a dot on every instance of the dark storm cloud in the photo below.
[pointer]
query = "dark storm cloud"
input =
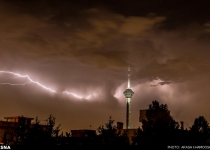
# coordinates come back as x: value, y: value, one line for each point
x: 85, y: 48
x: 92, y: 37
x: 162, y: 83
x: 179, y: 58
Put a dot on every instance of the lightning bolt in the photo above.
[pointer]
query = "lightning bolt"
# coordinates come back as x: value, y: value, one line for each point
x: 88, y: 97
x: 26, y: 76
x: 16, y: 84
x: 39, y: 84
x: 72, y: 94
x: 69, y: 93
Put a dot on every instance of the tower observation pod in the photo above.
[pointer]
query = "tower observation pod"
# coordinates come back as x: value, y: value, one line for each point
x: 128, y: 95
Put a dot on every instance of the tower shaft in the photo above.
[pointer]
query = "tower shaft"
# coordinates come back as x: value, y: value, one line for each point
x: 128, y: 113
x: 128, y: 95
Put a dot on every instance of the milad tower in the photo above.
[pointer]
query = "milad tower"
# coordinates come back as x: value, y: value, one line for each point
x: 128, y: 95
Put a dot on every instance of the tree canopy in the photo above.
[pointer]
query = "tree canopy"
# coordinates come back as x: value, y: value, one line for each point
x: 200, y: 131
x: 159, y: 126
x: 109, y: 135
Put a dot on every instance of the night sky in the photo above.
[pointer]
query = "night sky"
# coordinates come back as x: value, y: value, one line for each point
x: 85, y: 47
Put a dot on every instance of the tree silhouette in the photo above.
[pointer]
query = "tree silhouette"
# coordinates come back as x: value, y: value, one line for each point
x: 51, y: 130
x: 36, y: 134
x: 159, y: 127
x: 138, y: 137
x: 200, y: 131
x: 33, y: 134
x: 109, y: 135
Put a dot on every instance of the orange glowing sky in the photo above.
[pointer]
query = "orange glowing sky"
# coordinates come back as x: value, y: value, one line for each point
x: 81, y: 51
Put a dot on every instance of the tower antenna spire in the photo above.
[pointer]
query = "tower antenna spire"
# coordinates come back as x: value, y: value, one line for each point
x: 129, y: 84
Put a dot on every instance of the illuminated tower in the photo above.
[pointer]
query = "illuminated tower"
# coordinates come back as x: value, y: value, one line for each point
x: 128, y: 95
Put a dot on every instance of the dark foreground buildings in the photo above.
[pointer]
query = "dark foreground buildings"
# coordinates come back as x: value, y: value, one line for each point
x: 10, y: 124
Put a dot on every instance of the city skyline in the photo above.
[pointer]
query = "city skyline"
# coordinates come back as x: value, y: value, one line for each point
x: 70, y: 59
